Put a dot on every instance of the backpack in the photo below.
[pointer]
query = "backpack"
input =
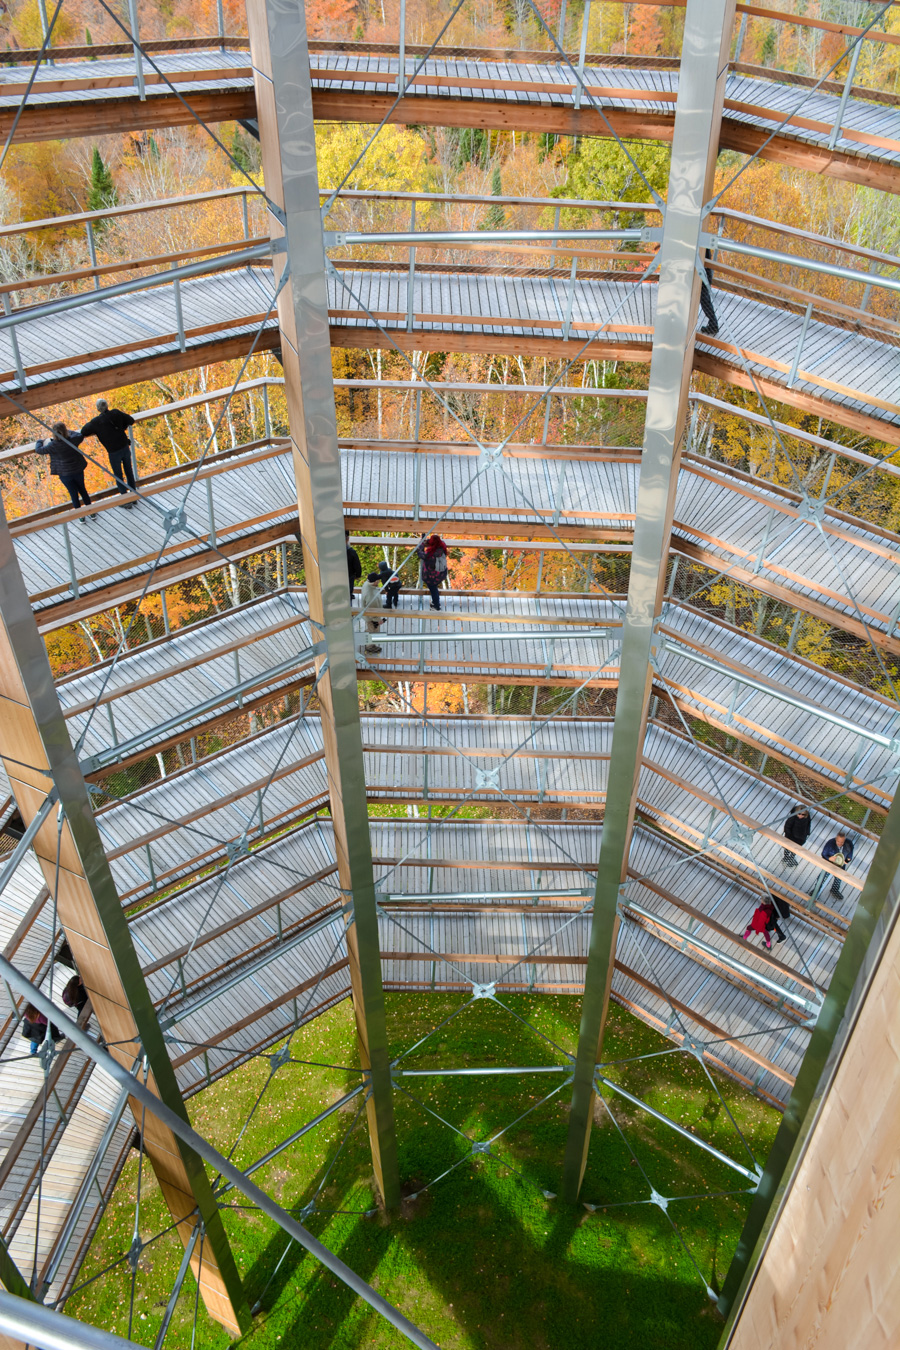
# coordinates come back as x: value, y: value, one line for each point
x: 439, y: 564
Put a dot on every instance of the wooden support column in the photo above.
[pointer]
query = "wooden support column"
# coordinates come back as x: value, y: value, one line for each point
x: 698, y: 116
x: 38, y: 756
x: 280, y: 60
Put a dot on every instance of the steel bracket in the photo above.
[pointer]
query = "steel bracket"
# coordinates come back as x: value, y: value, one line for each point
x: 237, y: 848
x: 742, y: 836
x: 280, y: 1058
x: 657, y: 1199
x: 483, y: 990
x: 484, y: 1147
x: 175, y: 521
x: 487, y: 779
x: 652, y: 234
x: 490, y: 454
x: 134, y: 1252
x: 811, y: 508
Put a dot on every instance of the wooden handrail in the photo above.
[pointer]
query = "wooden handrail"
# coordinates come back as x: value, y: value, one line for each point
x: 112, y: 212
x: 128, y: 265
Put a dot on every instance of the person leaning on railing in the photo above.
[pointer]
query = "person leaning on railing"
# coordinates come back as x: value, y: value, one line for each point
x: 67, y: 463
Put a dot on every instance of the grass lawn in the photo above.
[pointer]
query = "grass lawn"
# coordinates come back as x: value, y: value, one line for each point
x: 482, y: 1260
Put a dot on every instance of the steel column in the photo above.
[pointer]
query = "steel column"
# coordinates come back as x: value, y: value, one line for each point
x: 280, y: 60
x: 870, y: 929
x: 698, y: 114
x: 37, y: 754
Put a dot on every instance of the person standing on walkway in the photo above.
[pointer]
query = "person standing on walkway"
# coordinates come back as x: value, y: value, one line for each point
x: 796, y: 829
x: 354, y: 566
x: 839, y: 852
x: 763, y: 921
x: 711, y: 327
x: 369, y: 603
x: 110, y: 426
x: 67, y: 464
x: 433, y: 553
x: 390, y: 586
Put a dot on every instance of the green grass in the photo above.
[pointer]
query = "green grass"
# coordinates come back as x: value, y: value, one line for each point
x: 481, y: 1261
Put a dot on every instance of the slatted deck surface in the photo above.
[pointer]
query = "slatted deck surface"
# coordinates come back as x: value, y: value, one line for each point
x: 523, y: 856
x: 252, y: 492
x: 864, y: 371
x: 754, y: 102
x: 195, y: 677
x: 852, y: 569
x: 768, y: 96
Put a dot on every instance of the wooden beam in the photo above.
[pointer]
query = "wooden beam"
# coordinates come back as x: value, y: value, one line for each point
x: 110, y: 378
x: 65, y: 120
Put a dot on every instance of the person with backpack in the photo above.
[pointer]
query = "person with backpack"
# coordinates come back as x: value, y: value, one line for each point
x: 110, y: 426
x: 34, y: 1028
x: 68, y: 464
x: 433, y: 553
x: 796, y: 829
x: 390, y: 586
x: 354, y: 566
x: 763, y: 921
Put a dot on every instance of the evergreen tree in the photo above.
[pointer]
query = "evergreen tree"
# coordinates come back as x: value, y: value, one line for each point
x: 102, y: 191
x: 239, y: 150
x: 89, y: 41
x: 495, y: 219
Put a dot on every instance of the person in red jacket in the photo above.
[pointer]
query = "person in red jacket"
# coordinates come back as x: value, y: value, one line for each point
x: 763, y: 921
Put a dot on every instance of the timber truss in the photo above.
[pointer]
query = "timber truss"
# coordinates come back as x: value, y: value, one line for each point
x: 187, y: 819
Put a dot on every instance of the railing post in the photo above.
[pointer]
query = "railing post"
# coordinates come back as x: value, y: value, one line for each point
x: 220, y: 18
x: 411, y: 273
x: 848, y: 85
x: 796, y: 361
x: 136, y: 42
x: 179, y: 314
x: 165, y: 612
x: 561, y: 31
x: 739, y: 45
x: 133, y: 447
x: 17, y: 356
x: 267, y: 415
x: 401, y: 63
x: 45, y: 27
x: 73, y: 579
x: 245, y: 216
x: 210, y: 510
x: 92, y: 249
x: 582, y: 54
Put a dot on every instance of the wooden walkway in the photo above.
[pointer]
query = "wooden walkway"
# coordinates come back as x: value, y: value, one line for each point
x: 247, y: 655
x: 852, y: 377
x: 78, y: 98
x: 828, y: 564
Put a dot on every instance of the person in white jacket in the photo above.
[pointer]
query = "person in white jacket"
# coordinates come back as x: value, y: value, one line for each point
x: 369, y: 605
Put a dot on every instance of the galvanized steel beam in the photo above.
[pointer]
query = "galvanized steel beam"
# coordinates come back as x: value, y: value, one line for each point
x: 280, y: 58
x: 698, y: 116
x: 37, y: 754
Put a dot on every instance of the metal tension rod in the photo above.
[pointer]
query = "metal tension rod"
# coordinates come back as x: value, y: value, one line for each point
x: 280, y: 59
x: 33, y: 733
x: 698, y: 115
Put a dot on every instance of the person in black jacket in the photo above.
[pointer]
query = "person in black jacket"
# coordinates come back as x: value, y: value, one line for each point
x: 67, y: 463
x: 711, y: 327
x: 354, y: 566
x: 110, y: 426
x: 796, y: 828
